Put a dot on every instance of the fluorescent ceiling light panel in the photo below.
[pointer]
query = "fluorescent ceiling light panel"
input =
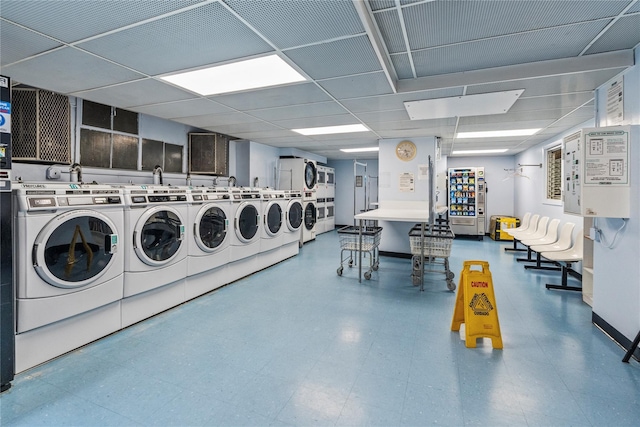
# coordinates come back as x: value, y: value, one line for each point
x: 496, y: 133
x: 236, y: 76
x: 327, y: 130
x: 482, y: 104
x: 498, y: 150
x: 359, y: 150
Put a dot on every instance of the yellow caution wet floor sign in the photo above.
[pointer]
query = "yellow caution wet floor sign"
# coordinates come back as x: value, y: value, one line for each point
x: 476, y: 305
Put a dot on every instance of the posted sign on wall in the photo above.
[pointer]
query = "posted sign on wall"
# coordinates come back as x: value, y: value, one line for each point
x: 606, y: 159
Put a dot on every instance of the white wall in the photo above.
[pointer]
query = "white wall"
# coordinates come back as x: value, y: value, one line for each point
x: 345, y: 186
x: 616, y: 281
x: 500, y: 187
x: 530, y: 193
x: 395, y: 234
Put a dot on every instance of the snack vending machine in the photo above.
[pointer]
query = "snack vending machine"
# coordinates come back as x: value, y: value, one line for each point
x: 467, y: 190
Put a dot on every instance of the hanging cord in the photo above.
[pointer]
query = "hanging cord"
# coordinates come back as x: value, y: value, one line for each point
x: 615, y: 237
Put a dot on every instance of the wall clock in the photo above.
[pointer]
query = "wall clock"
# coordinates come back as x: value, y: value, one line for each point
x: 406, y: 150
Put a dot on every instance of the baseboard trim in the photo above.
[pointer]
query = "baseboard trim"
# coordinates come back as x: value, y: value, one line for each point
x: 615, y: 335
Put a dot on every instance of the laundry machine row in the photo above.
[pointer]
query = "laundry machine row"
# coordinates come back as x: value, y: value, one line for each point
x: 93, y: 259
x: 69, y: 277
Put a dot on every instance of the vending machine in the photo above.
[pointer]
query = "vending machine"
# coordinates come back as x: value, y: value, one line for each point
x: 467, y: 190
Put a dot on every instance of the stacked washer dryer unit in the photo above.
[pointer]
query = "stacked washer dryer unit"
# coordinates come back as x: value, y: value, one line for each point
x: 155, y: 268
x: 330, y: 223
x: 69, y: 267
x: 302, y: 174
x: 244, y: 246
x: 208, y: 247
x: 294, y: 217
x: 321, y: 195
x: 272, y: 229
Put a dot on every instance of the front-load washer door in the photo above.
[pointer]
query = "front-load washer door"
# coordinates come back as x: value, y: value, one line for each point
x: 310, y: 175
x: 273, y: 219
x: 158, y: 235
x: 210, y: 228
x: 75, y: 249
x: 310, y: 216
x: 294, y: 215
x: 247, y: 222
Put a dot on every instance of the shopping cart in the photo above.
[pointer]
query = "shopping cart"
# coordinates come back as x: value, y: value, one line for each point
x: 350, y: 243
x: 434, y: 248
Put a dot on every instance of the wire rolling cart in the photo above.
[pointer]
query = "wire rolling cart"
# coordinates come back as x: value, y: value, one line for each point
x: 434, y: 247
x: 350, y: 242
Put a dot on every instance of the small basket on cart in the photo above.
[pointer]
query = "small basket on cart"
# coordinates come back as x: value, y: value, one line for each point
x: 433, y: 247
x: 350, y: 243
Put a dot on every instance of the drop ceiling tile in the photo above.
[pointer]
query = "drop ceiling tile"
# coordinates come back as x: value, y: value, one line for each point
x: 243, y: 128
x: 416, y: 133
x: 305, y: 22
x: 391, y: 30
x: 540, y: 45
x: 357, y: 86
x: 139, y: 92
x: 69, y: 70
x: 396, y: 101
x: 459, y: 21
x: 217, y: 120
x: 511, y: 117
x: 381, y: 4
x: 354, y: 137
x: 478, y: 127
x: 295, y: 94
x: 402, y: 66
x: 635, y: 8
x: 624, y: 34
x: 337, y: 58
x: 567, y: 83
x: 383, y: 116
x: 309, y: 122
x: 16, y: 44
x: 276, y: 141
x: 299, y: 111
x: 150, y: 49
x: 52, y: 17
x: 191, y: 107
x: 564, y: 103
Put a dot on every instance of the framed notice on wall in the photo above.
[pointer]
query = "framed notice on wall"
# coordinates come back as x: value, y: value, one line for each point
x: 407, y: 183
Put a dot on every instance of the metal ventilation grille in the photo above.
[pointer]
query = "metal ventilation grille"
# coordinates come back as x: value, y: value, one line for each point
x: 41, y: 127
x: 304, y: 22
x: 208, y: 154
x: 24, y: 124
x: 381, y: 4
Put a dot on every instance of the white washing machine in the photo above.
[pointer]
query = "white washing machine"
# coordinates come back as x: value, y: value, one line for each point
x: 208, y: 247
x: 321, y: 188
x: 310, y: 213
x: 244, y: 246
x: 297, y: 174
x: 69, y: 267
x: 273, y: 225
x: 321, y: 217
x: 155, y: 268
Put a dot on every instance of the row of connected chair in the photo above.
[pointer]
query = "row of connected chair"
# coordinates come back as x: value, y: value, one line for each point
x: 540, y: 235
